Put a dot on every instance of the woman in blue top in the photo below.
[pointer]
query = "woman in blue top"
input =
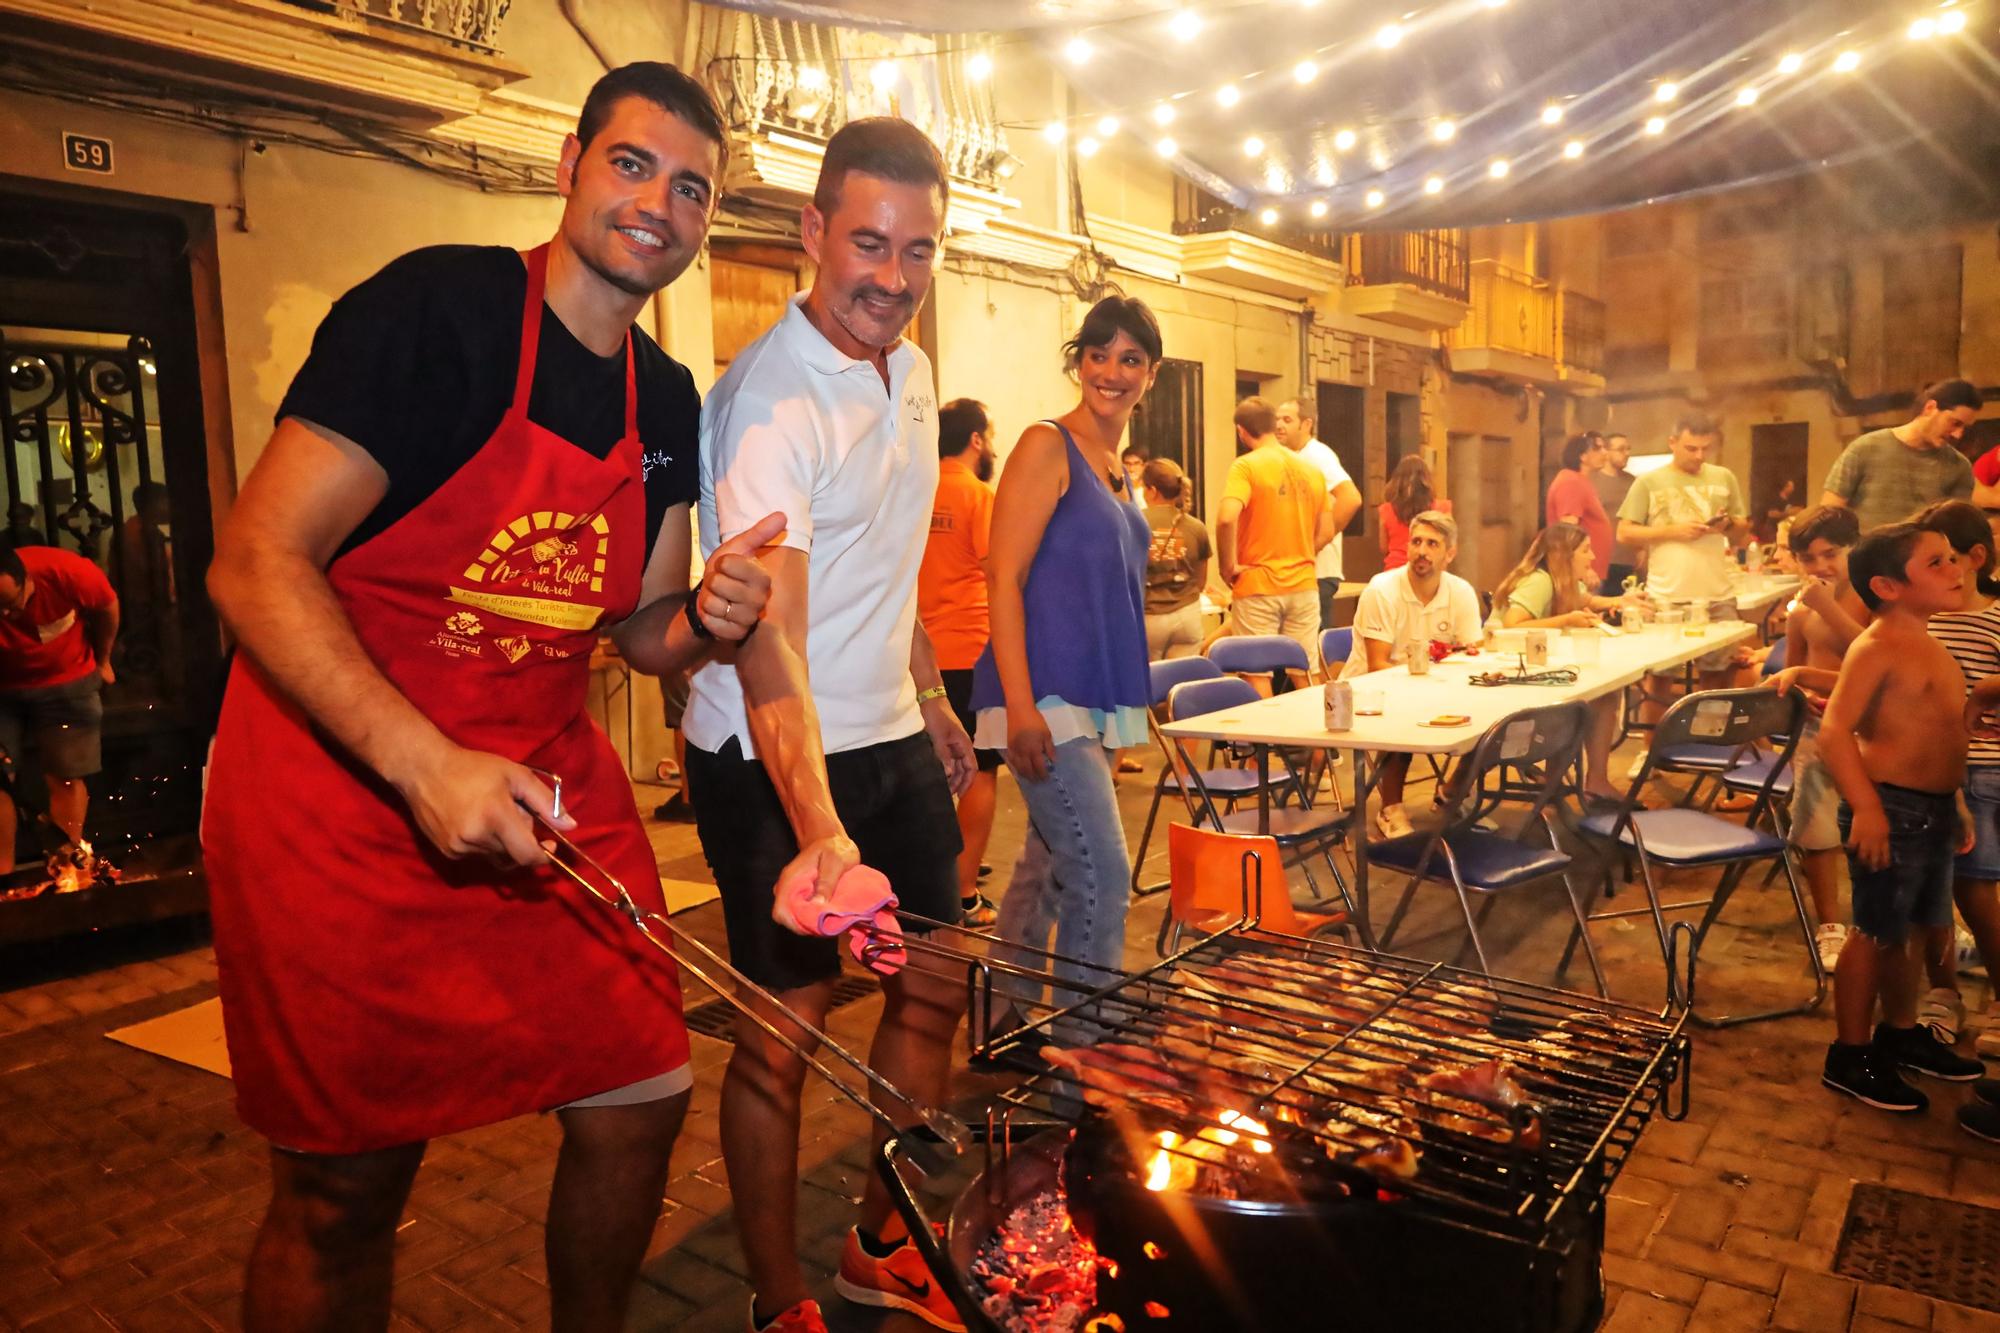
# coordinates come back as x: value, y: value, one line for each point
x: 1062, y: 684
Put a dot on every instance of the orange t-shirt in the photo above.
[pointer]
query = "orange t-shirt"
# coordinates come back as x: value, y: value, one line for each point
x: 1282, y: 495
x: 951, y: 584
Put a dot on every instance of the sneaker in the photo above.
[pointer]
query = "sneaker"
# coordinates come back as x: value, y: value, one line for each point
x: 1827, y: 941
x: 1981, y: 1120
x: 1988, y: 1041
x: 1393, y: 821
x: 674, y: 810
x: 977, y: 912
x: 900, y: 1281
x: 1863, y: 1074
x: 1943, y: 1012
x: 1918, y: 1048
x: 1637, y: 766
x: 1987, y: 1090
x: 805, y: 1317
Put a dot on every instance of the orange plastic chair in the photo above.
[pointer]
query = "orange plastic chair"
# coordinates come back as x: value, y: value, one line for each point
x: 1214, y: 878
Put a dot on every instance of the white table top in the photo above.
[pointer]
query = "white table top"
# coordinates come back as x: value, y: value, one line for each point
x: 1756, y: 592
x: 1298, y: 718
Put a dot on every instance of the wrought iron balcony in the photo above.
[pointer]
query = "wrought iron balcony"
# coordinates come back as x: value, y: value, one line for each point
x: 1579, y: 331
x: 469, y: 23
x: 1431, y: 261
x: 1199, y: 213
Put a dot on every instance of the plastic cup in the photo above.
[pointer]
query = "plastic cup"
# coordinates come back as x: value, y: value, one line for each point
x: 1368, y: 700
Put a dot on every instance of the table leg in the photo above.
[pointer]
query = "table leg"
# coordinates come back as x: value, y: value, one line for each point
x: 1263, y: 790
x: 1357, y: 824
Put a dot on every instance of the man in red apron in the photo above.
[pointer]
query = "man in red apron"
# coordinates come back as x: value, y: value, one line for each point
x: 417, y: 572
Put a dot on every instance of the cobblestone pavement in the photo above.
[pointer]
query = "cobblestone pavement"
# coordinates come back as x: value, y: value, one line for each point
x: 129, y: 1192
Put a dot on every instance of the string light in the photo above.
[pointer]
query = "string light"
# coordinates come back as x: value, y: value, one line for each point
x: 1305, y: 71
x: 1317, y: 208
x: 1055, y: 131
x: 1791, y: 63
x: 1657, y: 125
x: 1552, y: 114
x: 1573, y: 149
x: 1747, y: 97
x: 1374, y: 198
x: 1388, y: 35
x: 1076, y: 50
x: 1086, y: 147
x: 1343, y: 140
x: 978, y: 66
x: 1163, y: 114
x: 1269, y: 217
x: 813, y: 79
x: 1435, y: 185
x: 883, y: 75
x: 1952, y: 21
x: 1923, y: 29
x: 1847, y: 62
x: 1444, y: 130
x: 1107, y: 126
x: 1227, y: 95
x: 1184, y: 25
x: 1253, y: 147
x: 1667, y: 91
x: 1166, y: 147
x: 1498, y: 168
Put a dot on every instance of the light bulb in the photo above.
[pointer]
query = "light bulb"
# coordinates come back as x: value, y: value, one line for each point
x: 1253, y: 146
x: 1552, y: 114
x: 1086, y: 147
x: 1951, y: 21
x: 1317, y: 208
x: 812, y: 77
x: 1343, y: 140
x: 1435, y: 185
x: 1184, y: 25
x: 1269, y: 217
x: 1791, y: 63
x: 1656, y: 125
x: 1107, y: 126
x: 1163, y: 114
x: 1923, y: 29
x: 1444, y: 130
x: 1305, y: 71
x: 1055, y: 131
x: 1667, y: 91
x: 1373, y: 198
x: 978, y: 66
x: 1746, y: 97
x: 1497, y: 168
x: 1166, y: 147
x: 1227, y: 95
x: 1573, y: 149
x: 1076, y: 50
x: 1388, y: 35
x: 1847, y: 62
x: 883, y: 75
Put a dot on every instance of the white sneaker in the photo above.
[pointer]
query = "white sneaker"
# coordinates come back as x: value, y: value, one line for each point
x: 1943, y: 1012
x: 1637, y: 767
x: 1393, y: 821
x: 1988, y: 1044
x: 1827, y: 941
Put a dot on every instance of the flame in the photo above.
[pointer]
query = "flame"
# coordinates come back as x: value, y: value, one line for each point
x: 1167, y: 1169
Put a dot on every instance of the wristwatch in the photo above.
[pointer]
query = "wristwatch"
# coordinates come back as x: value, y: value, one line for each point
x: 701, y: 631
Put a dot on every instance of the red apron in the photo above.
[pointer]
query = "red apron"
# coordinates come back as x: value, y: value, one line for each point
x: 375, y: 993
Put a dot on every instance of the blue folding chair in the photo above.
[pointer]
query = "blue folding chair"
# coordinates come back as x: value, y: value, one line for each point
x: 1302, y: 833
x: 1475, y: 859
x: 1259, y: 654
x: 1682, y: 838
x: 1233, y: 784
x: 1335, y: 647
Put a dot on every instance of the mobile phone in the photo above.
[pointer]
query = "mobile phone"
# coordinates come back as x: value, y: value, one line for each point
x: 1449, y: 720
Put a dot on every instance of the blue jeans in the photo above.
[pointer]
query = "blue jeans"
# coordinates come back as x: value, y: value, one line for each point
x: 1072, y: 879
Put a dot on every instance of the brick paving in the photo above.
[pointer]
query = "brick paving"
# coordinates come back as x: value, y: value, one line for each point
x: 129, y: 1193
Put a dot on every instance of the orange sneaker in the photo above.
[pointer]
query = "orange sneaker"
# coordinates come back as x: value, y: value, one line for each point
x: 801, y: 1318
x: 900, y: 1282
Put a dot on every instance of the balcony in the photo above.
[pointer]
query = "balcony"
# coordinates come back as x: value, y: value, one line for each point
x: 474, y: 24
x: 1224, y: 243
x: 1579, y: 334
x: 1413, y: 279
x: 1523, y: 328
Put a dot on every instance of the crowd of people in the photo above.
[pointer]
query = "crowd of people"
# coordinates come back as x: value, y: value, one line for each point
x: 877, y: 629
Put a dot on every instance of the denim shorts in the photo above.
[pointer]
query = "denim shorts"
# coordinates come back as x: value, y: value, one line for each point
x: 1982, y: 798
x: 1914, y: 889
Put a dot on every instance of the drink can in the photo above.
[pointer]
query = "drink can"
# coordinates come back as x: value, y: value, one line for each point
x: 1632, y: 619
x: 1418, y: 657
x: 1339, y: 705
x: 1538, y: 648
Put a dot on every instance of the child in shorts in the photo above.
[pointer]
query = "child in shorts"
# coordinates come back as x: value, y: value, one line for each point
x: 1826, y: 617
x: 1971, y: 633
x: 1894, y: 741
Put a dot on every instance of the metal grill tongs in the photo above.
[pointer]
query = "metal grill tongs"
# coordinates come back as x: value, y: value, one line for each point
x: 946, y: 1130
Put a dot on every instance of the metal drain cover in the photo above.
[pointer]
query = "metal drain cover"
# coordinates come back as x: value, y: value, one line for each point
x: 717, y: 1018
x: 1934, y: 1247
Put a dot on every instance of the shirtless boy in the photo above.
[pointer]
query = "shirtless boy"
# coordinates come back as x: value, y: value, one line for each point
x: 1823, y: 622
x: 1894, y: 740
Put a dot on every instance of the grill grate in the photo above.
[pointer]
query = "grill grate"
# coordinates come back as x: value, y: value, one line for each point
x: 1934, y: 1247
x: 717, y: 1018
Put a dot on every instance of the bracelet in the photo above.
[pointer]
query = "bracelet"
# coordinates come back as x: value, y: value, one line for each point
x: 934, y: 692
x: 694, y: 621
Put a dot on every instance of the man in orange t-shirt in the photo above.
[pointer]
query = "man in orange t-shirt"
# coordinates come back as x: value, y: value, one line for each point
x: 1274, y: 519
x: 951, y: 603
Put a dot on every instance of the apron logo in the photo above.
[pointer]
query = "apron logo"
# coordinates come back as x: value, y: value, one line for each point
x: 514, y: 646
x: 464, y: 623
x: 535, y: 568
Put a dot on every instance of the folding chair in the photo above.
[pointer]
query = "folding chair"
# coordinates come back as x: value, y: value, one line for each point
x: 1335, y: 647
x: 1260, y: 654
x: 1737, y: 769
x: 1681, y: 838
x: 1476, y: 860
x: 1233, y: 784
x: 1300, y: 833
x: 1218, y: 879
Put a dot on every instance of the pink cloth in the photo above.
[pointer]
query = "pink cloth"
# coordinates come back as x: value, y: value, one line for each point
x: 1572, y: 494
x: 861, y: 898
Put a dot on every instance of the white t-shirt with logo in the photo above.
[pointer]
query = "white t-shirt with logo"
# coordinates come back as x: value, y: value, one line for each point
x: 1696, y: 571
x: 797, y: 426
x: 1327, y: 564
x: 1390, y: 612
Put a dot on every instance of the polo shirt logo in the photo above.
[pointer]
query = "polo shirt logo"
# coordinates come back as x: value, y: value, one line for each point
x: 918, y: 403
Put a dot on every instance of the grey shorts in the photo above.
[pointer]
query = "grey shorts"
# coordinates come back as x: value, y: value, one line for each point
x: 66, y: 723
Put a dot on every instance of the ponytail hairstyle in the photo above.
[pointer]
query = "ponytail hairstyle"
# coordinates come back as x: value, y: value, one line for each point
x: 1964, y: 525
x: 1165, y: 476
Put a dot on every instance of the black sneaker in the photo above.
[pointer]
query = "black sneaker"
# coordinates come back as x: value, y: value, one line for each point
x: 1869, y: 1077
x: 1981, y: 1120
x: 1917, y: 1048
x: 1988, y: 1090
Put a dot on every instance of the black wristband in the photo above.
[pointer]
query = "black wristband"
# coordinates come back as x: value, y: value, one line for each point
x: 701, y: 631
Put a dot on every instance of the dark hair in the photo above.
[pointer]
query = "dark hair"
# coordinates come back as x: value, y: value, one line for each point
x: 1964, y: 525
x: 1257, y: 417
x: 666, y: 88
x: 10, y: 563
x: 1837, y: 523
x: 1949, y: 394
x: 1109, y: 318
x: 885, y: 146
x: 1135, y: 450
x: 1576, y: 446
x: 1882, y: 553
x: 1696, y: 423
x: 958, y: 421
x: 1611, y: 435
x: 1410, y: 490
x: 1306, y: 412
x: 1165, y: 476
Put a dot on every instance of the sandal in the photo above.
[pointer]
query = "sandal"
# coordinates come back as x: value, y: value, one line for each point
x: 977, y: 912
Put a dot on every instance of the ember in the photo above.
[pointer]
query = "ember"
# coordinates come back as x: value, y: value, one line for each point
x: 1038, y: 1274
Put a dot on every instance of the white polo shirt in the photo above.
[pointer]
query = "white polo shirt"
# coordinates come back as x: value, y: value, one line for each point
x: 1390, y: 612
x: 1327, y: 564
x: 797, y: 426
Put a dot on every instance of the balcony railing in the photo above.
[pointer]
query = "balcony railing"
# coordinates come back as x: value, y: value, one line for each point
x: 1199, y: 213
x: 1580, y: 331
x: 473, y: 23
x: 1433, y: 261
x: 1511, y: 311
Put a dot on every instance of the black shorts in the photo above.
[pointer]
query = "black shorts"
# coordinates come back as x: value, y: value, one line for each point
x: 893, y: 800
x: 958, y: 693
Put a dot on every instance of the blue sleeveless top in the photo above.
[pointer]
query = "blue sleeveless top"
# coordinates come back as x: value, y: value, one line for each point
x: 1085, y: 608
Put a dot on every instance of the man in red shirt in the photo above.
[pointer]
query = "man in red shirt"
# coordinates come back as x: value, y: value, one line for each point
x: 58, y: 617
x: 1573, y: 499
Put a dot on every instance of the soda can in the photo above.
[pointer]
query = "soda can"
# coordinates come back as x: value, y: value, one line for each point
x: 1632, y: 619
x: 1538, y: 648
x: 1339, y: 705
x: 1417, y: 656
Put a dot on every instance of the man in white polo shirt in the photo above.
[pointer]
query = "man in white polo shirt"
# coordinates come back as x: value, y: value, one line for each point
x: 1405, y: 610
x: 829, y: 741
x: 1295, y: 432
